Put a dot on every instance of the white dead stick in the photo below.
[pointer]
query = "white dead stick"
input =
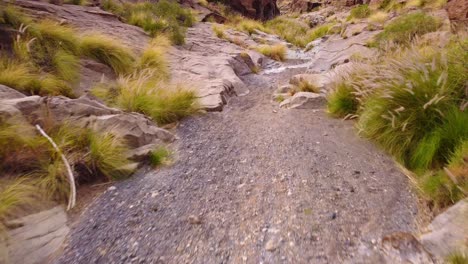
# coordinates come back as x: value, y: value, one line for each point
x: 71, y: 179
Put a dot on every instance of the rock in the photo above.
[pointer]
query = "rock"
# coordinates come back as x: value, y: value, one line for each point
x: 457, y: 10
x: 304, y: 100
x: 313, y: 19
x: 38, y: 236
x: 448, y: 232
x: 257, y: 9
x: 318, y: 80
x: 404, y: 248
x: 92, y: 73
x: 303, y: 6
x: 112, y: 188
x: 272, y: 244
x: 284, y: 89
x: 141, y: 153
x: 194, y: 220
x: 9, y: 93
x: 336, y: 50
x: 135, y: 128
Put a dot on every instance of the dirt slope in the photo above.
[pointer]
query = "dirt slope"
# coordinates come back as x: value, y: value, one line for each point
x: 268, y: 185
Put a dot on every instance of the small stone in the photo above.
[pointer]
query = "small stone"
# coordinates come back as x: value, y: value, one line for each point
x: 112, y: 188
x: 373, y: 241
x: 194, y: 220
x: 334, y: 215
x: 271, y: 245
x: 275, y: 111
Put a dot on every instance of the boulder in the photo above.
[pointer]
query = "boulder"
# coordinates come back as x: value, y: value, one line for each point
x: 458, y: 10
x: 304, y: 100
x: 316, y: 79
x: 8, y: 93
x: 403, y: 247
x: 257, y: 9
x: 303, y: 6
x: 448, y: 232
x: 37, y: 236
x: 137, y: 129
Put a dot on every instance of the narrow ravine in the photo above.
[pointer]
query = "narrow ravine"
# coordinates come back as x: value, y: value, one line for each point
x: 251, y: 184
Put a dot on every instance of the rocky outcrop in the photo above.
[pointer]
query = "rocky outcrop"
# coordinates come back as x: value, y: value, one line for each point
x: 135, y: 128
x: 35, y: 238
x: 448, y: 232
x: 257, y: 9
x: 458, y: 10
x: 304, y: 100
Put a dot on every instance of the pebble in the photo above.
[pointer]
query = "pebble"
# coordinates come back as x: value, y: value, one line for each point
x: 271, y: 245
x: 334, y: 215
x: 194, y: 220
x: 112, y: 188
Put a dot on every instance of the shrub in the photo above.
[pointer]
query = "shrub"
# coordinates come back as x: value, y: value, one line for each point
x: 359, y: 11
x: 17, y: 75
x: 319, y: 32
x: 15, y: 194
x: 108, y: 51
x: 107, y: 156
x: 276, y: 52
x: 403, y: 29
x: 305, y: 86
x: 141, y: 92
x: 219, y: 31
x: 378, y: 17
x: 11, y: 15
x: 50, y: 34
x: 416, y: 105
x: 342, y: 101
x: 291, y: 30
x: 66, y: 65
x: 154, y: 57
x: 155, y: 18
x: 159, y: 156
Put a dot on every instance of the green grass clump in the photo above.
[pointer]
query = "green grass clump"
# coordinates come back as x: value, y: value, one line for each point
x: 159, y: 156
x: 359, y: 11
x: 291, y: 30
x: 12, y: 16
x: 405, y: 28
x: 154, y: 57
x: 107, y: 156
x: 15, y: 194
x: 306, y: 86
x: 66, y: 66
x: 52, y: 35
x: 141, y: 92
x: 342, y: 101
x: 276, y: 52
x: 165, y: 16
x: 108, y: 51
x: 457, y: 258
x: 219, y: 31
x: 319, y: 32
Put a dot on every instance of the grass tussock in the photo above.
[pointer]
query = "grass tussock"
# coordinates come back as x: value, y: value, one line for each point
x: 359, y: 12
x: 160, y: 156
x: 412, y: 102
x: 163, y: 17
x: 108, y: 51
x: 291, y: 30
x: 306, y: 86
x: 154, y: 57
x: 219, y: 31
x: 406, y: 27
x: 275, y: 52
x: 378, y: 17
x: 141, y: 92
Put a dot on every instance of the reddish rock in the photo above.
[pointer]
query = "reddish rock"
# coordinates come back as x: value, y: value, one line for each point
x: 257, y: 9
x: 458, y: 10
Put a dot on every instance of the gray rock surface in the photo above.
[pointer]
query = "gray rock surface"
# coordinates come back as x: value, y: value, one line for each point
x: 38, y: 236
x: 448, y: 232
x: 304, y: 100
